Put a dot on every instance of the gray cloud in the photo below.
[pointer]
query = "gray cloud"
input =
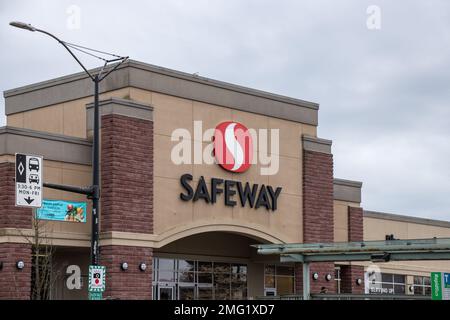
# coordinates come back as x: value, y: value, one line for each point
x: 384, y: 95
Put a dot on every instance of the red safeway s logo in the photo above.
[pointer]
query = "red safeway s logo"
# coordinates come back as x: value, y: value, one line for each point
x: 233, y: 146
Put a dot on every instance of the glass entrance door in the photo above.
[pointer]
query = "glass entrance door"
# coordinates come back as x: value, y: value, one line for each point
x: 165, y: 293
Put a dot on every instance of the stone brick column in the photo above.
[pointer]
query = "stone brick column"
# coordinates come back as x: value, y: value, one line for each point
x: 14, y: 283
x: 133, y: 283
x: 127, y: 196
x: 318, y: 216
x: 298, y: 273
x: 350, y: 273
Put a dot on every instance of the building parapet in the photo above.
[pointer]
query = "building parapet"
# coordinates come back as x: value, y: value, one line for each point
x: 347, y: 190
x: 166, y: 81
x: 404, y: 218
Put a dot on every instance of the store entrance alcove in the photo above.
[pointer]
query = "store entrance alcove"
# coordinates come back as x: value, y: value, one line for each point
x: 211, y: 265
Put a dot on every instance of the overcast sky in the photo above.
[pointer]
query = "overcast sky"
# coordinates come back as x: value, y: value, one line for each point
x: 383, y: 85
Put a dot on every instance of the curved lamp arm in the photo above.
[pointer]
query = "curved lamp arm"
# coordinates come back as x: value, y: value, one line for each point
x: 67, y: 48
x: 96, y: 78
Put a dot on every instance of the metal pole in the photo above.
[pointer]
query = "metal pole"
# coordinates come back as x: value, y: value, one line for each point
x: 93, y: 191
x: 95, y: 180
x: 306, y: 279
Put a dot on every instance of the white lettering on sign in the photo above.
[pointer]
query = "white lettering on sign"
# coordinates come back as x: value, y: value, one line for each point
x: 29, y: 187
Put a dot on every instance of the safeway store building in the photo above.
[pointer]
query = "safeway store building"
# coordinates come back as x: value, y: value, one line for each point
x: 174, y: 225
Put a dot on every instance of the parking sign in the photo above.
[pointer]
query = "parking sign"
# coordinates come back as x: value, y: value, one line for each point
x: 29, y: 180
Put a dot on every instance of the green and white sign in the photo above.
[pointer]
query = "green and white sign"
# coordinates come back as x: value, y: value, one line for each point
x: 440, y: 286
x: 96, y: 279
x: 95, y: 295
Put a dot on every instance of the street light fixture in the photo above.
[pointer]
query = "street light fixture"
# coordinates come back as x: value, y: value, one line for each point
x: 93, y: 191
x: 22, y: 25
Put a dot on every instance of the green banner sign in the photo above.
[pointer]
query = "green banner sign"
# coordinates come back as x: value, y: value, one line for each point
x: 436, y: 286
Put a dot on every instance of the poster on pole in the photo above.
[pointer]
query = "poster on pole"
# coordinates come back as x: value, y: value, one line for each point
x: 96, y: 278
x: 61, y: 210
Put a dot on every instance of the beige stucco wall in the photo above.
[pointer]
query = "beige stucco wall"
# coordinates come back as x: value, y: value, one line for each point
x: 67, y: 118
x: 68, y: 174
x: 341, y: 219
x: 171, y: 113
x: 376, y: 229
x: 170, y: 213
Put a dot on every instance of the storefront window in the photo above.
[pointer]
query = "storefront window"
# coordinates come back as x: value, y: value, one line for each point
x: 205, y: 277
x: 205, y: 293
x: 279, y: 280
x: 204, y: 266
x: 390, y: 284
x: 269, y: 277
x: 337, y: 278
x: 186, y: 276
x: 203, y: 280
x: 186, y: 265
x: 166, y: 264
x: 422, y: 286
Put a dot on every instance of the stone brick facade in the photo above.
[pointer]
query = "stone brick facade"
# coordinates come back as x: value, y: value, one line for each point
x: 355, y: 224
x: 127, y: 202
x: 318, y: 216
x: 298, y: 274
x: 133, y: 283
x: 12, y: 216
x: 14, y: 283
x: 349, y: 273
x: 126, y: 174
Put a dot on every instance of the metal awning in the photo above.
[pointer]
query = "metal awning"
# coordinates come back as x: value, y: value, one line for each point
x: 376, y: 251
x: 388, y: 250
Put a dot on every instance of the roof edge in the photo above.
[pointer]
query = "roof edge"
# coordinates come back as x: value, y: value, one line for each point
x: 165, y: 71
x: 405, y: 218
x: 43, y: 135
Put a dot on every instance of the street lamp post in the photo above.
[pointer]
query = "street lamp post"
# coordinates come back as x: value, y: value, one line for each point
x: 93, y: 191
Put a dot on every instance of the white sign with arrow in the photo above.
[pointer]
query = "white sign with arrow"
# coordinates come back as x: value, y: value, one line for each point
x: 29, y: 180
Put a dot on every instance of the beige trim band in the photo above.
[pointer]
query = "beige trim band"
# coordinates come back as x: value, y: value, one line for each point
x: 347, y: 190
x: 51, y: 146
x: 128, y: 108
x: 403, y: 218
x: 256, y: 232
x: 65, y: 239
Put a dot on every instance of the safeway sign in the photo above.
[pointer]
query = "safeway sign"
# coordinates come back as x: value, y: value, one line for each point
x: 29, y: 180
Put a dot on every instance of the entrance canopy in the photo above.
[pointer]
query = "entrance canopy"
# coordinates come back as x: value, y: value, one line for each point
x: 378, y: 251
